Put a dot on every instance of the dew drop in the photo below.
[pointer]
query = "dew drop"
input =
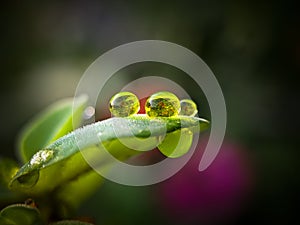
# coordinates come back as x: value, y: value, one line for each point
x: 162, y: 104
x: 177, y: 143
x: 188, y: 107
x: 124, y: 104
x: 28, y: 180
x: 40, y: 157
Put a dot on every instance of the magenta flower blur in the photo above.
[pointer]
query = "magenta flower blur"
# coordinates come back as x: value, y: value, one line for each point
x: 214, y: 195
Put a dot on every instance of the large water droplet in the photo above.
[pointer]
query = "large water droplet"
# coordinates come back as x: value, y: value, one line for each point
x: 188, y: 107
x: 124, y: 104
x: 162, y: 104
x: 177, y: 143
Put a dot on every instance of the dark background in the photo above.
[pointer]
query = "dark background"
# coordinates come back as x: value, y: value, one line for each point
x: 252, y: 48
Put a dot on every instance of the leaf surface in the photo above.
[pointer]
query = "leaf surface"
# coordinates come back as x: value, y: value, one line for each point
x: 62, y: 162
x: 54, y: 122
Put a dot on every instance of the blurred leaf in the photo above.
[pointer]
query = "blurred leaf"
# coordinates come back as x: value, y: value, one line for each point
x: 72, y: 194
x: 51, y: 124
x: 8, y: 168
x: 20, y: 214
x: 64, y: 156
x: 7, y: 196
x: 70, y: 222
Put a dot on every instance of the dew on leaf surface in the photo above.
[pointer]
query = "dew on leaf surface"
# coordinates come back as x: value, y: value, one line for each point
x: 162, y: 104
x: 124, y: 104
x: 40, y: 157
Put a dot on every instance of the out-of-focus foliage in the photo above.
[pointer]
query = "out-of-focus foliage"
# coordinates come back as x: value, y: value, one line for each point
x: 53, y: 123
x: 20, y: 214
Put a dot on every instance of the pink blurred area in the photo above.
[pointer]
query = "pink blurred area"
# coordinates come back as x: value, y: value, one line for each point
x: 218, y: 194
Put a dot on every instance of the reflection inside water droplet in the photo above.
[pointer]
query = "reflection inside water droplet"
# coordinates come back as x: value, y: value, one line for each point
x: 162, y: 104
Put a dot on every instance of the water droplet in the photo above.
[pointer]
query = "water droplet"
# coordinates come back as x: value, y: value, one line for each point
x: 40, y: 157
x: 188, y: 107
x: 28, y: 180
x: 124, y: 104
x: 177, y: 143
x: 162, y: 104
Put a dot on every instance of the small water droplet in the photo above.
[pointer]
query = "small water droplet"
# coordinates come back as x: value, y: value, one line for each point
x: 99, y: 134
x: 188, y: 107
x: 162, y: 104
x: 124, y: 104
x: 40, y: 157
x: 28, y: 180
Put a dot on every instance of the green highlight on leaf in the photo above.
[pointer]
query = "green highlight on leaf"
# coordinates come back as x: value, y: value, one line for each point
x: 66, y: 164
x: 54, y: 122
x: 20, y: 214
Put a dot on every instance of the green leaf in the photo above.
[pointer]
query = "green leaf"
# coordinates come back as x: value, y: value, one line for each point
x: 73, y: 193
x: 51, y: 124
x: 70, y: 222
x: 7, y: 196
x: 62, y: 161
x: 20, y: 214
x: 8, y: 168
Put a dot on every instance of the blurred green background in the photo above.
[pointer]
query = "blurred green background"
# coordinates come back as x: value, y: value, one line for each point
x: 253, y: 50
